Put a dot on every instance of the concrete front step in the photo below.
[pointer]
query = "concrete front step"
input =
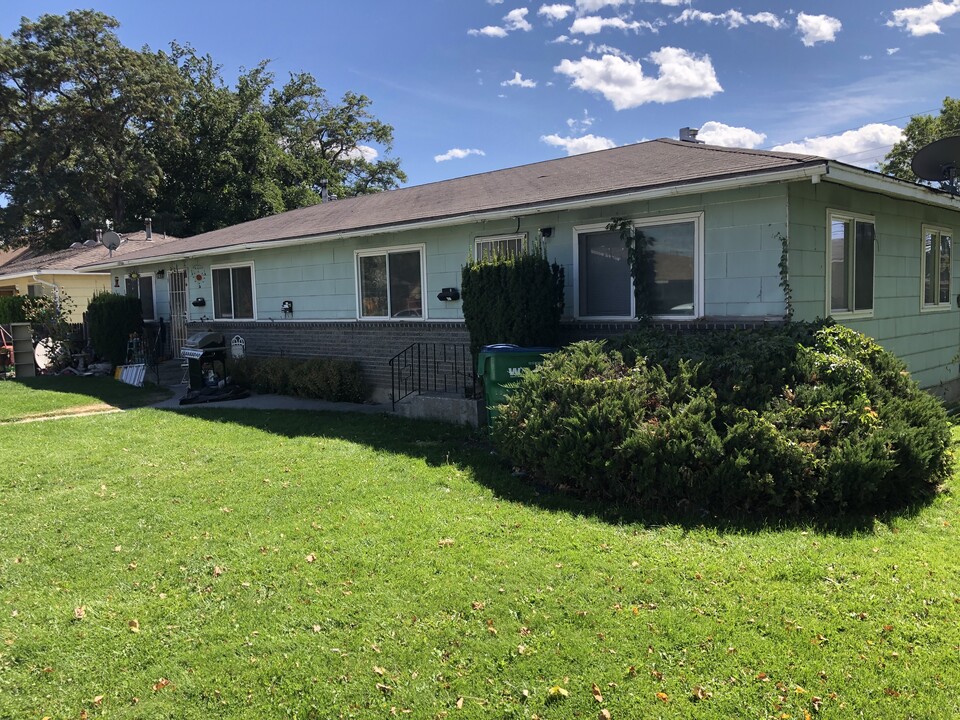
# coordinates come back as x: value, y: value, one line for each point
x: 445, y: 407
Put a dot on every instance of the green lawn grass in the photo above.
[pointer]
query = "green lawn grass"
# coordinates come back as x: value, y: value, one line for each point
x: 51, y: 395
x: 280, y: 564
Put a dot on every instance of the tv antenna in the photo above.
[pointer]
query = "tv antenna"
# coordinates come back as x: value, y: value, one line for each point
x: 938, y: 162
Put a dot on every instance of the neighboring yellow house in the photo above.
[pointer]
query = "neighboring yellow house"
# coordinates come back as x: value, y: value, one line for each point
x: 25, y: 271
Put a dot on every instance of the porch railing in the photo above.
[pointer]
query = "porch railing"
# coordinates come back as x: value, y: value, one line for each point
x: 432, y: 367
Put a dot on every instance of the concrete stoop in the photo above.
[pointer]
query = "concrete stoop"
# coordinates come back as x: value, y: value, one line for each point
x: 444, y: 407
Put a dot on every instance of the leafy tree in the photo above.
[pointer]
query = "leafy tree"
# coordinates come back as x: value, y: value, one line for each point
x: 920, y: 131
x: 76, y: 111
x: 257, y: 150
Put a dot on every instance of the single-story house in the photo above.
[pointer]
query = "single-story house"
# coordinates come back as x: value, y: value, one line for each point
x: 364, y: 278
x: 31, y: 272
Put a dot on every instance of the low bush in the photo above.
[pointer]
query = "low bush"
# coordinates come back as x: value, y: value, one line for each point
x: 800, y: 419
x: 318, y: 378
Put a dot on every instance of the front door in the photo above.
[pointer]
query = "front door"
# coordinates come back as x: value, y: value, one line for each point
x: 178, y: 310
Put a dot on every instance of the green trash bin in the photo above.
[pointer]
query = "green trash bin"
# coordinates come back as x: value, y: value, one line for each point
x: 499, y: 366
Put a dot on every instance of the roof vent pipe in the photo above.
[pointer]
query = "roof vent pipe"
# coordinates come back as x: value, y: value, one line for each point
x: 324, y: 195
x: 99, y: 234
x: 148, y: 225
x: 689, y: 134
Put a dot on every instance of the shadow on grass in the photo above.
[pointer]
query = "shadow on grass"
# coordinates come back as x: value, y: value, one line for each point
x: 439, y: 444
x: 104, y: 389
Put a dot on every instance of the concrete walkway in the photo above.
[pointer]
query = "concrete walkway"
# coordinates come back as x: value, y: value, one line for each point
x: 171, y: 374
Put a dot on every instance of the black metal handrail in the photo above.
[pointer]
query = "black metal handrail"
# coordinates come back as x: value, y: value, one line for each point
x: 432, y: 367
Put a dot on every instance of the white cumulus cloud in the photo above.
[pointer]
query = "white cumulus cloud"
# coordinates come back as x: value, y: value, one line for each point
x: 731, y: 18
x: 717, y: 133
x: 579, y: 145
x: 567, y: 40
x: 767, y: 18
x: 924, y: 20
x: 457, y: 154
x: 555, y: 12
x: 519, y: 81
x: 865, y: 146
x: 817, y: 28
x: 362, y: 152
x: 682, y: 75
x: 593, y: 24
x: 585, y: 6
x: 513, y: 20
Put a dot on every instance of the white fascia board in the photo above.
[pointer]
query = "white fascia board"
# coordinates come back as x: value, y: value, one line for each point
x: 734, y: 183
x: 889, y: 186
x: 31, y: 273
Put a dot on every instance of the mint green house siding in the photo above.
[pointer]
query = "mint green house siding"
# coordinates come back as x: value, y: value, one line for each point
x: 928, y: 340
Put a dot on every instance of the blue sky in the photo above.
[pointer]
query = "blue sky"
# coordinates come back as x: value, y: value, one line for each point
x: 477, y: 85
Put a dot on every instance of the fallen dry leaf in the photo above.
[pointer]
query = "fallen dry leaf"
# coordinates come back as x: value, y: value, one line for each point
x: 310, y: 558
x: 161, y: 684
x: 385, y: 689
x: 557, y: 693
x: 98, y: 700
x: 459, y: 703
x: 604, y: 715
x: 663, y: 697
x: 445, y: 542
x: 595, y: 691
x: 134, y: 626
x: 79, y: 613
x: 379, y: 670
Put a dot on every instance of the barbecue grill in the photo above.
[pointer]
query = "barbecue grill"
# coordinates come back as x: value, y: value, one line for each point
x: 202, y: 351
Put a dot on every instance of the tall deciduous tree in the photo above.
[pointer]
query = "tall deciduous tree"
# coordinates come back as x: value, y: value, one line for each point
x: 76, y: 111
x: 920, y: 131
x: 257, y: 149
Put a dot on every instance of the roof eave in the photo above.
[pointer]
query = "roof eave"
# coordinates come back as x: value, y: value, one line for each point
x: 808, y: 170
x: 852, y: 176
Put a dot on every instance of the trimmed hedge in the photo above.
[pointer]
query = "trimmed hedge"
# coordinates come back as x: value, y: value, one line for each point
x: 800, y: 419
x: 517, y: 299
x: 112, y: 319
x: 13, y: 309
x: 319, y: 378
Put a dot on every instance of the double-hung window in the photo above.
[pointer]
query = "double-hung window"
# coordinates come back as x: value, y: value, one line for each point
x: 233, y: 292
x: 495, y: 246
x: 852, y: 240
x: 390, y: 283
x: 141, y: 286
x: 604, y: 286
x: 937, y: 265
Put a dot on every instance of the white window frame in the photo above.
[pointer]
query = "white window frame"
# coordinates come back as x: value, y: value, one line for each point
x: 828, y: 300
x: 485, y: 240
x: 373, y: 252
x: 935, y: 306
x: 153, y: 283
x: 253, y: 291
x: 640, y: 223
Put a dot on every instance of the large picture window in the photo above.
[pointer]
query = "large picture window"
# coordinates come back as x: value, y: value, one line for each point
x: 852, y: 241
x: 603, y: 281
x: 233, y: 294
x: 390, y: 283
x: 937, y: 266
x: 141, y: 287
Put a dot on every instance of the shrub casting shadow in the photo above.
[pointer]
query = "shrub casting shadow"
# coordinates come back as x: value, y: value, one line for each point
x: 440, y: 444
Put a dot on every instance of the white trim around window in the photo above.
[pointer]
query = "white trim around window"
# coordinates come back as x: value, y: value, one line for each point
x: 692, y: 310
x: 500, y: 245
x: 847, y: 298
x: 935, y: 290
x: 385, y: 288
x: 242, y: 299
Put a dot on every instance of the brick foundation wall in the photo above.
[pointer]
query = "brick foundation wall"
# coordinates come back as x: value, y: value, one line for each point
x: 372, y: 344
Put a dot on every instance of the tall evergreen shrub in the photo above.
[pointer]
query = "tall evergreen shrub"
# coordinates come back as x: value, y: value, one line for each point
x: 13, y: 309
x: 516, y: 299
x: 113, y: 319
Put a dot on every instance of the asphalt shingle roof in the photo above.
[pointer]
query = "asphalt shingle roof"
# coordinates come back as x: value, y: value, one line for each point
x: 647, y: 165
x: 27, y: 261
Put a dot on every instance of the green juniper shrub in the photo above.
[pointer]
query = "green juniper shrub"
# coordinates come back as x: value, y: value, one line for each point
x: 318, y: 378
x: 112, y: 319
x: 835, y: 426
x: 12, y: 309
x: 493, y: 290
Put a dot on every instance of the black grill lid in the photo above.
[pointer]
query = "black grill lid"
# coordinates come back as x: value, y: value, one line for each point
x: 204, y: 340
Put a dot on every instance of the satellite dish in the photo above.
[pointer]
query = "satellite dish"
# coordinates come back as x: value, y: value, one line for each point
x: 76, y: 245
x: 938, y: 161
x: 110, y: 240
